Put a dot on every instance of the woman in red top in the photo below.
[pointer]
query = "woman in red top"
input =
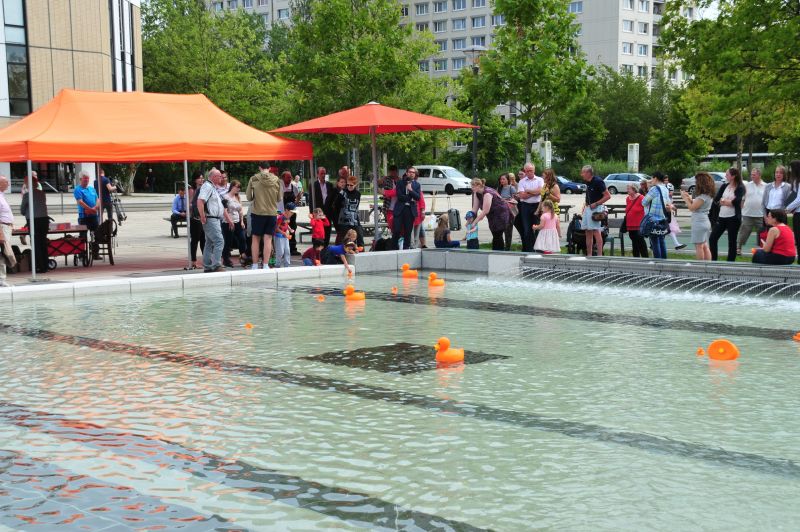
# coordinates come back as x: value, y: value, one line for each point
x: 634, y: 212
x: 779, y: 247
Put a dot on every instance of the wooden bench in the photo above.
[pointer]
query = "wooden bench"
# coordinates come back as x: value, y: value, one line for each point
x: 565, y: 211
x: 613, y: 236
x: 181, y: 223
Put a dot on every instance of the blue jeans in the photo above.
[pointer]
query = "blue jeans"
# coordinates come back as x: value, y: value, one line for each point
x: 659, y: 247
x: 212, y: 254
x: 527, y: 211
x: 308, y: 262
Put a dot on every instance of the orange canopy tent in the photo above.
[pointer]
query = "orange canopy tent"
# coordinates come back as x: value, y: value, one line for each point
x: 137, y: 126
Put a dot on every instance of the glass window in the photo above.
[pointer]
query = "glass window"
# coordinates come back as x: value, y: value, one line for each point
x: 458, y: 63
x: 643, y: 50
x: 13, y: 12
x: 262, y: 2
x: 642, y: 71
x: 422, y: 26
x: 440, y: 65
x: 248, y: 4
x: 18, y: 81
x: 478, y: 3
x: 576, y: 7
x: 265, y: 19
x: 479, y: 22
x: 627, y: 48
x: 233, y: 4
x: 439, y: 26
x: 16, y: 54
x: 424, y: 66
x: 440, y: 7
x: 15, y: 34
x: 479, y: 40
x: 421, y: 9
x: 627, y: 4
x: 627, y: 26
x: 459, y: 24
x: 644, y: 6
x: 404, y: 11
x: 498, y: 20
x: 644, y: 28
x: 442, y: 45
x: 459, y: 44
x: 283, y: 14
x: 458, y: 5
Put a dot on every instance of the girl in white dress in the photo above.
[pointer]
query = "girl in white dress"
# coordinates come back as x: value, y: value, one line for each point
x: 547, y: 241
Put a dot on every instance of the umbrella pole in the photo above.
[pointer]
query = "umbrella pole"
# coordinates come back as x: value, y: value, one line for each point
x: 372, y: 135
x: 188, y: 213
x: 31, y: 217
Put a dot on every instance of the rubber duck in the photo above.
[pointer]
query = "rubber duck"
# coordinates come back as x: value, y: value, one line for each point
x: 701, y: 352
x: 394, y: 291
x: 408, y: 273
x: 434, y: 281
x: 320, y: 298
x: 350, y: 294
x: 447, y: 354
x: 796, y: 337
x: 248, y: 325
x: 723, y: 350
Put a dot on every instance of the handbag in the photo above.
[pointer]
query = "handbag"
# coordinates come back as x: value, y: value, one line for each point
x: 652, y: 227
x: 624, y: 227
x: 600, y: 216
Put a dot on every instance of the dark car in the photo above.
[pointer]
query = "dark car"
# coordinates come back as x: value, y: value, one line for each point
x: 570, y: 187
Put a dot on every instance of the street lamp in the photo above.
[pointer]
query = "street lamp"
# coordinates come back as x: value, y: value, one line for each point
x: 474, y: 52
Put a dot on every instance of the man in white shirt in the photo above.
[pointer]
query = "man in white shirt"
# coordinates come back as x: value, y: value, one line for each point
x: 529, y: 194
x: 212, y: 215
x: 753, y: 208
x: 6, y: 226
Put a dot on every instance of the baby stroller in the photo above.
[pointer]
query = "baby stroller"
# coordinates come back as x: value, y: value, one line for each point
x: 576, y: 237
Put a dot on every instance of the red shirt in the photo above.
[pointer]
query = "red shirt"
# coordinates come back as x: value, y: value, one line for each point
x: 634, y: 212
x: 312, y: 254
x: 784, y: 244
x: 318, y: 228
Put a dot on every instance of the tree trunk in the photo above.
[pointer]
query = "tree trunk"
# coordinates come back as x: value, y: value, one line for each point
x: 739, y: 150
x: 132, y: 168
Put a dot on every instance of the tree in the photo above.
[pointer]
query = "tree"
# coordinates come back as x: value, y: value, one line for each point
x: 188, y: 49
x: 578, y: 131
x: 677, y: 145
x: 534, y: 62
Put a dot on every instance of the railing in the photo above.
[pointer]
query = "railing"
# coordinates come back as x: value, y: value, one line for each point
x: 60, y: 193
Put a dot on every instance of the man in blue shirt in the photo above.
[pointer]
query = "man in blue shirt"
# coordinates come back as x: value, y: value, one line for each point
x: 86, y: 196
x: 178, y: 211
x: 596, y: 195
x: 107, y: 188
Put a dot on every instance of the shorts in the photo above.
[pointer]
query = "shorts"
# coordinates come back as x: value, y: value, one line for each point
x: 587, y: 224
x: 263, y: 224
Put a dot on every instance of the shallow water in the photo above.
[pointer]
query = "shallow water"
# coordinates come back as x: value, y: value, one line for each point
x: 601, y: 417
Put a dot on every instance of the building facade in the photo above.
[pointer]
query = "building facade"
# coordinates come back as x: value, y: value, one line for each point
x: 46, y: 46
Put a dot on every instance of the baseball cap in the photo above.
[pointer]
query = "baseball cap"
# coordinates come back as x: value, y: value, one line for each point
x: 290, y: 206
x: 469, y: 214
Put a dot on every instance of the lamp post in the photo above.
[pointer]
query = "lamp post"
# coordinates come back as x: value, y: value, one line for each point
x: 474, y: 52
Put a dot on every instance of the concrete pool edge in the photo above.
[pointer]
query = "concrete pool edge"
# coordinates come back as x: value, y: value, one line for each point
x: 176, y: 283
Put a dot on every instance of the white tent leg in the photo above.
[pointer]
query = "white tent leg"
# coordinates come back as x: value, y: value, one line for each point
x: 188, y: 213
x: 31, y: 223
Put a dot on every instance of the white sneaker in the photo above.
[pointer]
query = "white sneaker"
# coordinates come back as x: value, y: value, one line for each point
x: 254, y: 266
x: 4, y: 284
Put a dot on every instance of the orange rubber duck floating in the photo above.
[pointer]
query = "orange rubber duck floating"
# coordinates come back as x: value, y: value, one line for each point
x: 394, y: 290
x: 320, y: 298
x: 248, y: 325
x: 720, y: 350
x: 796, y: 337
x: 408, y: 273
x: 350, y: 294
x: 433, y: 280
x: 445, y: 353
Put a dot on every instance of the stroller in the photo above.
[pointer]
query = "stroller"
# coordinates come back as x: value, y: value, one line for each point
x: 576, y: 237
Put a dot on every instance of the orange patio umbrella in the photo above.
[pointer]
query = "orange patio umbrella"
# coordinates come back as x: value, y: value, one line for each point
x: 372, y: 119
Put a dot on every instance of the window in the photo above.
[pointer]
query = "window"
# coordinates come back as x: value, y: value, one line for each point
x: 643, y: 50
x: 442, y: 45
x: 656, y: 30
x: 424, y: 66
x: 440, y: 7
x: 459, y: 5
x: 479, y: 40
x: 459, y: 44
x: 627, y: 26
x: 626, y: 69
x: 658, y: 9
x: 459, y: 24
x: 440, y: 65
x: 576, y: 7
x: 404, y: 10
x: 627, y: 48
x: 458, y: 63
x: 644, y: 6
x: 421, y: 9
x: 18, y: 93
x: 478, y: 3
x: 498, y: 20
x: 262, y: 2
x: 218, y: 6
x: 689, y: 13
x: 233, y: 4
x: 644, y: 28
x: 439, y: 26
x: 247, y: 4
x: 627, y: 4
x: 283, y: 14
x: 479, y: 22
x: 673, y: 75
x: 422, y: 26
x: 459, y: 144
x: 642, y: 71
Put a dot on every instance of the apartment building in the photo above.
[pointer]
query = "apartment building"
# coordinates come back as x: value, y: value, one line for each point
x: 46, y: 46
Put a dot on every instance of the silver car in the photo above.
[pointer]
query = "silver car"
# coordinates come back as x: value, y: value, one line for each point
x: 688, y: 183
x: 618, y: 183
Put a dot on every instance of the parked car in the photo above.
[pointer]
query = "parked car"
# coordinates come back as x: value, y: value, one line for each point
x: 435, y: 178
x: 570, y: 187
x: 687, y: 184
x: 618, y: 183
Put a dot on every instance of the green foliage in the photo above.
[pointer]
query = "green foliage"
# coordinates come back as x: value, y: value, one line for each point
x: 579, y: 131
x: 677, y: 145
x: 187, y: 49
x: 533, y: 62
x: 572, y: 170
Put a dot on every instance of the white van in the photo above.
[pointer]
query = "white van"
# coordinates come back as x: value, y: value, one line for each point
x: 435, y: 178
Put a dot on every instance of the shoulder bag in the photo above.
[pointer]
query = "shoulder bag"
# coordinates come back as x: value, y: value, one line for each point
x: 653, y: 227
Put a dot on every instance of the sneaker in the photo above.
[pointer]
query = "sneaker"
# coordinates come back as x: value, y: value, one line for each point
x: 255, y: 266
x: 4, y: 284
x: 681, y: 246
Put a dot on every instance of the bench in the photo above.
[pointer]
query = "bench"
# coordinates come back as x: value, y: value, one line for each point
x: 613, y: 236
x: 181, y: 223
x: 565, y: 211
